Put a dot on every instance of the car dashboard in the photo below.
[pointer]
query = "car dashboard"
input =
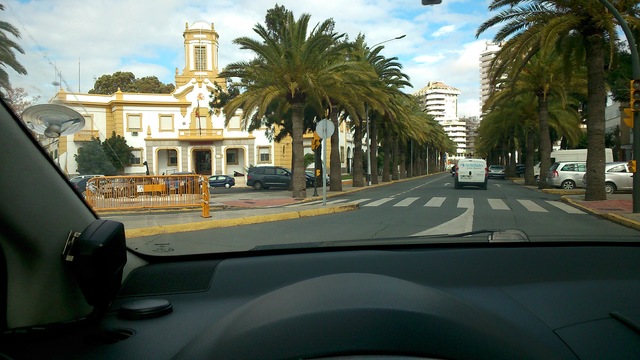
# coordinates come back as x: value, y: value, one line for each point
x: 457, y: 301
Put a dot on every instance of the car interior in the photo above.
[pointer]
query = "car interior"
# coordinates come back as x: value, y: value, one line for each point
x: 71, y: 289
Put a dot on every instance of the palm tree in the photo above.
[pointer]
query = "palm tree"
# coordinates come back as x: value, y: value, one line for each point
x: 583, y: 27
x: 298, y: 66
x: 7, y: 54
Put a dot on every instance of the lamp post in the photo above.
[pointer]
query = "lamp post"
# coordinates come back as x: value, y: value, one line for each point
x: 366, y: 109
x: 635, y: 66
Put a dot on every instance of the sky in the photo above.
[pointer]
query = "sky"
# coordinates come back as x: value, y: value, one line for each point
x: 73, y: 42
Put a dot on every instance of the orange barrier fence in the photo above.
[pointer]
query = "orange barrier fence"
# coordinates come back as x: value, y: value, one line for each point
x: 148, y: 192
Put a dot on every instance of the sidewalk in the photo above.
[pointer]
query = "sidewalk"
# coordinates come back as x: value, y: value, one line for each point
x: 229, y: 209
x: 617, y: 207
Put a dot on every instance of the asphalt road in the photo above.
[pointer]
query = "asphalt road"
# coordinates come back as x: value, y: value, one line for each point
x: 424, y: 206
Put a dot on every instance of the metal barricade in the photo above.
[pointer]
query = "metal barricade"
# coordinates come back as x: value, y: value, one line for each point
x: 148, y: 192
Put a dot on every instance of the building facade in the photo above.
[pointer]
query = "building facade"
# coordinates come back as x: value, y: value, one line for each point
x: 177, y: 132
x: 486, y: 57
x: 439, y: 100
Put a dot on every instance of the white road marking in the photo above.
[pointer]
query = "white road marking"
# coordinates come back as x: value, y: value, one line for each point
x: 379, y: 202
x: 531, y: 206
x: 336, y: 201
x: 358, y: 201
x: 497, y: 204
x: 566, y: 208
x: 435, y: 201
x: 465, y: 203
x: 460, y: 224
x: 406, y: 202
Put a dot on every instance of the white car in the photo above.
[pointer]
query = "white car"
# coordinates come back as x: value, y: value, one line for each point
x: 616, y: 177
x: 471, y: 172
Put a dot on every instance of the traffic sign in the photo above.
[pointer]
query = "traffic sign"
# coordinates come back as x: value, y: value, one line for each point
x: 325, y: 128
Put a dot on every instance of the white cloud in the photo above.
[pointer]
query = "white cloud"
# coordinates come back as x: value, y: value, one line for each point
x: 443, y: 30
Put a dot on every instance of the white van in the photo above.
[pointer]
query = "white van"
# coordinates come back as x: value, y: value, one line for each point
x: 572, y: 155
x: 471, y: 172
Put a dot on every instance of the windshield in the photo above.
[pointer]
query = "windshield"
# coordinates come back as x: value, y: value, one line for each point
x: 334, y: 124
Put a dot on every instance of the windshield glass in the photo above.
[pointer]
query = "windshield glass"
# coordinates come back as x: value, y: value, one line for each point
x: 333, y: 124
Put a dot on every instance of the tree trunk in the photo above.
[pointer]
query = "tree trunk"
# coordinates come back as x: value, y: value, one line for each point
x: 373, y: 151
x: 596, y: 102
x: 358, y: 172
x: 297, y: 152
x: 545, y: 140
x: 335, y: 173
x: 402, y: 146
x: 386, y: 167
x: 529, y: 178
x: 396, y: 159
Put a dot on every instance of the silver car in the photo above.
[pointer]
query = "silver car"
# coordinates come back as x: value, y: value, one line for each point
x: 566, y: 174
x: 616, y: 177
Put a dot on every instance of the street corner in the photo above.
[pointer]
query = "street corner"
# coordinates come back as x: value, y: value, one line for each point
x: 616, y: 210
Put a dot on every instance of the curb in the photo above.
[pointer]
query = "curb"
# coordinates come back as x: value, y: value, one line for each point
x: 609, y: 216
x: 206, y: 225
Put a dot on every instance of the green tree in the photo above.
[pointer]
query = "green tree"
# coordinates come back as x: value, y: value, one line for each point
x: 580, y: 27
x: 127, y: 82
x: 117, y: 151
x: 297, y: 68
x: 92, y: 159
x: 8, y: 48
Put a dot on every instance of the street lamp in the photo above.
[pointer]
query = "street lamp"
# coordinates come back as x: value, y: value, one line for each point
x: 635, y: 66
x: 367, y: 118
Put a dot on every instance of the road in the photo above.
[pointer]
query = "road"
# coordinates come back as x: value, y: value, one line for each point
x: 424, y: 206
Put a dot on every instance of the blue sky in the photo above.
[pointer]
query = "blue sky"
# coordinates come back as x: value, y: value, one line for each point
x: 87, y: 39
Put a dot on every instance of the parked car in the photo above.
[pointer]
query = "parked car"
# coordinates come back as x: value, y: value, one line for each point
x: 264, y: 177
x: 520, y: 170
x: 222, y: 181
x: 311, y: 178
x: 616, y: 177
x: 566, y: 175
x: 471, y: 172
x: 496, y: 171
x: 80, y: 183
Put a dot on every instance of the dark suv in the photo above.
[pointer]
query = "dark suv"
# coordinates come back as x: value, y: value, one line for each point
x: 264, y: 177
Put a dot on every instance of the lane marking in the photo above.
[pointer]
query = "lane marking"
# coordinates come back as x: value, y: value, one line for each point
x: 358, y: 201
x: 435, y: 201
x: 465, y: 203
x: 531, y: 206
x: 336, y: 201
x: 564, y: 207
x: 460, y: 224
x: 497, y: 204
x: 406, y: 202
x: 379, y: 202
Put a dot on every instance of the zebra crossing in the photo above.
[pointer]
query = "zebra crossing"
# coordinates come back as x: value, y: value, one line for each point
x: 537, y: 206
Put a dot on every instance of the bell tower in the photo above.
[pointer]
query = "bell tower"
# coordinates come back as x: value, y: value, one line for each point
x: 200, y: 53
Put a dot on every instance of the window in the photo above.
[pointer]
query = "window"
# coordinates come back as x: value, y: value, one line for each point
x: 234, y: 123
x: 200, y: 55
x: 581, y: 167
x: 618, y: 168
x: 136, y: 157
x: 264, y: 154
x: 172, y: 157
x: 166, y: 123
x: 134, y: 122
x: 88, y: 122
x: 232, y: 157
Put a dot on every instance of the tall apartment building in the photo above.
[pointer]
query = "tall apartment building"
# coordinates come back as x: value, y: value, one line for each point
x: 439, y: 100
x: 485, y: 64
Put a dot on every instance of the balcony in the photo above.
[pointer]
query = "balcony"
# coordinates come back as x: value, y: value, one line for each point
x: 200, y: 134
x: 86, y: 135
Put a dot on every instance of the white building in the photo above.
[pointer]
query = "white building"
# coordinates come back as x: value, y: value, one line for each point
x: 439, y: 100
x: 486, y: 57
x: 177, y: 132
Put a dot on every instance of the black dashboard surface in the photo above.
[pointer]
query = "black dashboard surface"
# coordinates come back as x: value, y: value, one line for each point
x: 487, y: 302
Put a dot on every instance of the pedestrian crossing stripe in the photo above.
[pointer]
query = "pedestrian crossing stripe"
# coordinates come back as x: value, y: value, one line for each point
x: 463, y: 203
